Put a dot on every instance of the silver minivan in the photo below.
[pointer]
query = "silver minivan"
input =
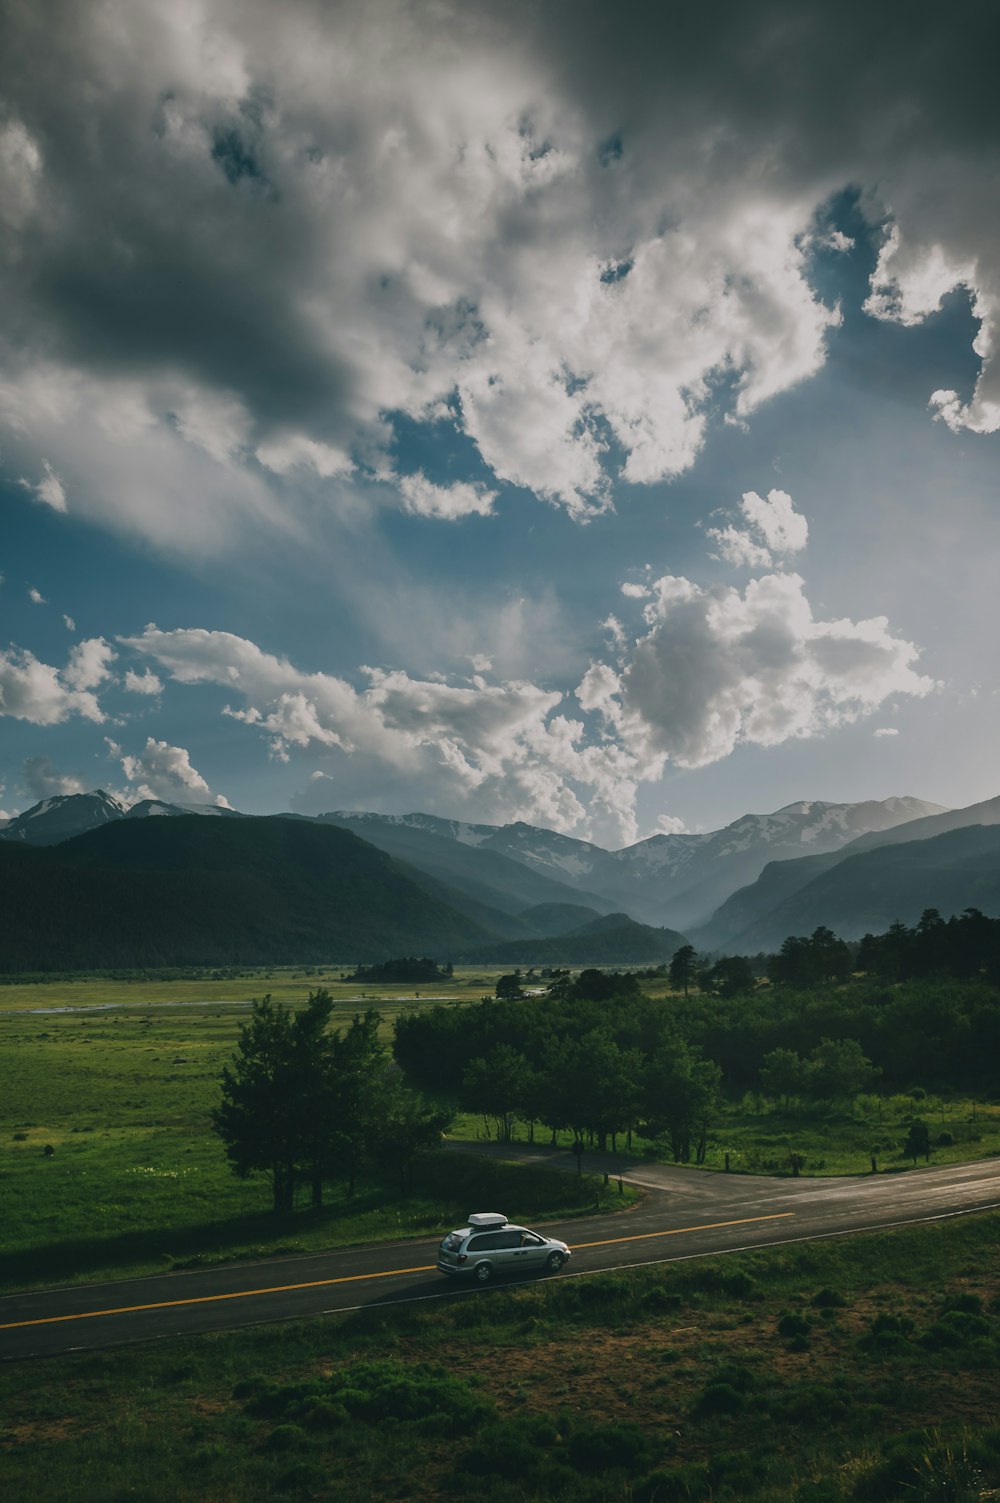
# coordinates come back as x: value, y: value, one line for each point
x: 491, y: 1245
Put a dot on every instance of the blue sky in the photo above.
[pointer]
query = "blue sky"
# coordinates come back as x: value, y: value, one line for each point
x: 374, y: 436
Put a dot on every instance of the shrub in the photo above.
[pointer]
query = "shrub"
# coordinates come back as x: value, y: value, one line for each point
x: 968, y: 1303
x: 605, y: 1448
x: 683, y: 1484
x: 284, y: 1438
x: 719, y: 1398
x: 955, y: 1329
x: 828, y: 1299
x: 793, y: 1325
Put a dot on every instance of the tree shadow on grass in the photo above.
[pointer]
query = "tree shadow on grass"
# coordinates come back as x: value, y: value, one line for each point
x: 146, y: 1250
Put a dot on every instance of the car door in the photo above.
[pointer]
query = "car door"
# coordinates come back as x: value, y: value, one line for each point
x: 533, y: 1250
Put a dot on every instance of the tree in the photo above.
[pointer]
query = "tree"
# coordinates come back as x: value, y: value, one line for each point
x: 409, y: 1127
x: 839, y: 1069
x: 680, y: 1093
x: 783, y: 1074
x: 258, y: 1118
x: 730, y: 976
x: 498, y: 1086
x: 918, y: 1140
x: 682, y: 968
x: 509, y: 987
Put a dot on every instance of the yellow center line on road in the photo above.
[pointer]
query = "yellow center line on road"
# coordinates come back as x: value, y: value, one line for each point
x: 353, y: 1278
x: 677, y: 1231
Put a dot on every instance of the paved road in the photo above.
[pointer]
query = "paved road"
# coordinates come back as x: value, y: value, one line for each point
x: 685, y: 1214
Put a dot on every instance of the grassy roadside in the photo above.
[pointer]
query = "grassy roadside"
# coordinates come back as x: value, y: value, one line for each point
x: 858, y: 1369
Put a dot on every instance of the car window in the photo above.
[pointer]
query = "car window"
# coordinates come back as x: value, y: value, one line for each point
x: 532, y: 1239
x: 487, y: 1241
x: 509, y: 1239
x: 452, y: 1242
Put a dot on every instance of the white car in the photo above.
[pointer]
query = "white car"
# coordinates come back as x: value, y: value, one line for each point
x: 492, y: 1245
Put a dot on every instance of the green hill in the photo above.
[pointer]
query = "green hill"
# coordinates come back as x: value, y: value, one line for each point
x: 193, y: 891
x: 614, y: 939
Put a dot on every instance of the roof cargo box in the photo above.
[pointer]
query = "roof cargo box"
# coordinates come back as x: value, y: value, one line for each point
x: 487, y: 1219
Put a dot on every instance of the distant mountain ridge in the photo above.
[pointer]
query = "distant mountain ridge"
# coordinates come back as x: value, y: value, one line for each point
x: 674, y: 880
x: 782, y: 900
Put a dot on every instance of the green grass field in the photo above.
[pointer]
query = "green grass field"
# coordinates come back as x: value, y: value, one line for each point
x: 861, y: 1369
x: 120, y: 1087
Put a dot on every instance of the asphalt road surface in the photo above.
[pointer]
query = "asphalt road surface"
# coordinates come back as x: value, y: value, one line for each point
x: 685, y: 1214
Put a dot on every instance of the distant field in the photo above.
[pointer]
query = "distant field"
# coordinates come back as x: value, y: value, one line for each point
x: 118, y: 1079
x: 285, y: 984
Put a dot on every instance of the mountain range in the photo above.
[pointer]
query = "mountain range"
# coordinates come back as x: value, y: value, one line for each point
x: 521, y: 895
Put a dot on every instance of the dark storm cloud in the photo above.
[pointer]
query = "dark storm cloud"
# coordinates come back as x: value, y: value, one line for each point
x: 557, y: 222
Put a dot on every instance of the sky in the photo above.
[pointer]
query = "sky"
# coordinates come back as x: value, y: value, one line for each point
x: 567, y: 413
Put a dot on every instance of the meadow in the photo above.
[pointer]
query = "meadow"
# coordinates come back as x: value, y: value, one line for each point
x: 858, y: 1369
x: 108, y: 1164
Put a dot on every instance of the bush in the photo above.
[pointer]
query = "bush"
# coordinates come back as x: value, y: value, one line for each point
x: 794, y: 1325
x: 284, y: 1438
x: 606, y: 1448
x: 719, y: 1398
x: 683, y: 1484
x: 955, y: 1329
x: 828, y: 1299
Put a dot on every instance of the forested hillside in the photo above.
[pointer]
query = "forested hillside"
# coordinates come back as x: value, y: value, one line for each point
x: 191, y: 891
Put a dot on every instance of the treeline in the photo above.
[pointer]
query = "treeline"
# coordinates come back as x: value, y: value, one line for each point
x: 571, y: 1061
x: 964, y: 946
x: 407, y: 968
x: 599, y: 1066
x: 940, y: 1034
x: 303, y: 1105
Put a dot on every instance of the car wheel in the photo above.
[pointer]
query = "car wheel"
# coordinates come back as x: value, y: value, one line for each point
x: 484, y: 1272
x: 554, y: 1262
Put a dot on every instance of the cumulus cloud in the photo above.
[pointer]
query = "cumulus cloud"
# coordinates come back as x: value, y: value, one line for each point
x: 775, y: 528
x: 36, y: 597
x: 914, y: 274
x: 142, y: 683
x: 719, y: 667
x: 88, y: 665
x: 44, y: 695
x: 462, y: 215
x: 449, y: 502
x: 69, y: 623
x: 162, y: 771
x: 715, y: 668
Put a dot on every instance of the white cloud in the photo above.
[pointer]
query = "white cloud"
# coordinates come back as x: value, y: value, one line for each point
x: 435, y: 234
x: 49, y: 489
x: 142, y: 683
x: 775, y: 527
x: 714, y: 669
x: 914, y: 274
x: 670, y: 824
x: 886, y: 730
x: 88, y: 663
x: 721, y: 667
x: 37, y: 692
x: 36, y: 597
x: 448, y: 502
x: 162, y: 771
x: 69, y: 623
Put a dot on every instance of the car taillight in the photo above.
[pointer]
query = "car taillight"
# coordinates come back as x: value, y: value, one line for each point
x: 461, y: 1257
